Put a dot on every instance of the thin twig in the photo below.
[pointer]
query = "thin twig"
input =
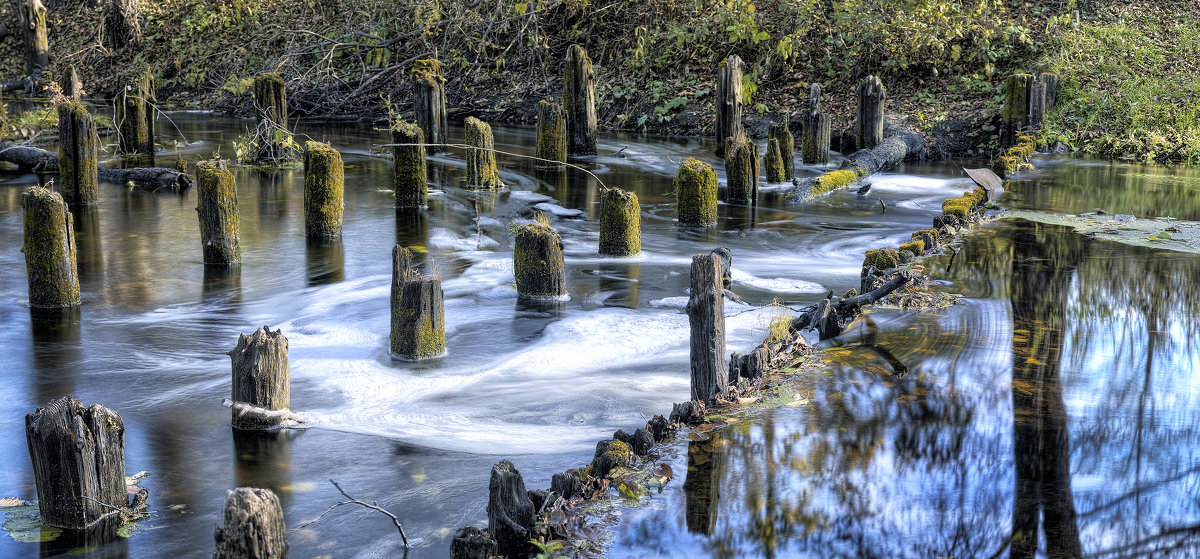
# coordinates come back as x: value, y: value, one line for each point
x: 372, y: 506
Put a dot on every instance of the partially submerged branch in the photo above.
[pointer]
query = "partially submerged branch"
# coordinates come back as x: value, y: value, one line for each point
x: 830, y: 317
x: 373, y: 506
x: 28, y: 158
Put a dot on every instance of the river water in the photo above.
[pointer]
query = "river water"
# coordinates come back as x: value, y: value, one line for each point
x: 874, y: 466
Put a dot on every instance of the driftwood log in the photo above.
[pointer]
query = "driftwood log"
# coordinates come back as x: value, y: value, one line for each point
x: 900, y: 146
x: 151, y: 178
x: 252, y: 526
x: 510, y: 511
x: 830, y: 317
x: 706, y: 316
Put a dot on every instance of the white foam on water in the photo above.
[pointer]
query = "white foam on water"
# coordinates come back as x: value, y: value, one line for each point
x: 779, y: 285
x: 444, y: 239
x: 913, y: 183
x: 557, y: 210
x: 528, y: 196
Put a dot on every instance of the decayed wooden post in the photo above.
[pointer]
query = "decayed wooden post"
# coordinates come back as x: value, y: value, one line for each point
x: 729, y: 101
x: 551, y: 135
x: 136, y: 117
x: 620, y: 223
x: 706, y: 315
x: 121, y: 25
x: 78, y: 145
x: 1050, y: 81
x: 324, y: 185
x: 261, y: 376
x: 481, y: 162
x: 270, y: 99
x: 49, y: 250
x: 73, y: 88
x: 773, y: 162
x: 871, y: 98
x: 781, y: 132
x: 511, y: 514
x: 1014, y: 117
x: 579, y: 102
x: 696, y: 193
x: 418, y: 311
x: 78, y: 462
x: 429, y: 99
x: 1037, y: 103
x: 538, y: 264
x: 741, y: 170
x: 814, y: 144
x: 409, y: 171
x: 216, y: 202
x: 252, y: 526
x: 37, y: 45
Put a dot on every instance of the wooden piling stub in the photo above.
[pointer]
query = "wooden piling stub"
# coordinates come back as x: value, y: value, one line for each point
x: 1037, y: 103
x: 579, y: 102
x: 781, y: 131
x: 429, y: 99
x: 1014, y: 116
x: 324, y: 186
x: 261, y: 376
x: 773, y: 162
x: 418, y: 311
x: 49, y: 249
x: 551, y: 135
x: 706, y: 316
x: 78, y: 145
x: 696, y: 193
x: 121, y: 25
x: 78, y: 459
x: 481, y: 157
x: 216, y: 202
x: 252, y: 526
x: 741, y: 170
x: 620, y: 223
x: 1050, y: 81
x: 871, y: 98
x: 37, y: 43
x: 510, y: 512
x: 815, y: 146
x: 135, y: 117
x: 538, y: 265
x: 729, y: 100
x: 410, y: 178
x: 73, y: 88
x: 270, y: 99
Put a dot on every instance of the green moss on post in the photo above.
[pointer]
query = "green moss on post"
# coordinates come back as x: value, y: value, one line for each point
x: 216, y: 202
x: 781, y: 132
x: 773, y: 162
x: 49, y: 250
x: 956, y: 207
x: 814, y: 144
x: 270, y: 99
x: 916, y: 248
x: 481, y: 162
x: 77, y: 169
x: 409, y: 170
x: 696, y: 193
x: 135, y: 117
x: 881, y: 259
x: 418, y: 311
x: 741, y: 170
x: 551, y: 135
x: 538, y: 265
x: 1015, y: 113
x: 429, y: 99
x: 610, y: 455
x: 928, y: 238
x: 620, y: 223
x: 324, y: 186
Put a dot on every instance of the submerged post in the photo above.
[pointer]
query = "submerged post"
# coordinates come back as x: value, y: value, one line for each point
x: 579, y: 102
x: 551, y: 135
x: 429, y: 99
x: 871, y: 98
x: 261, y: 376
x: 78, y: 459
x: 418, y: 312
x: 37, y: 44
x: 409, y: 171
x: 729, y: 100
x: 706, y: 315
x: 324, y: 184
x: 538, y: 265
x: 216, y: 203
x: 814, y: 145
x: 781, y: 132
x: 741, y: 170
x: 49, y: 250
x: 1014, y: 117
x: 270, y: 99
x: 252, y: 526
x: 136, y: 117
x: 481, y: 156
x: 620, y: 223
x: 78, y: 146
x: 696, y: 193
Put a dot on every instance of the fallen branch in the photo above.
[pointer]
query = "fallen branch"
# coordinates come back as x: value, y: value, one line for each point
x: 153, y: 178
x: 279, y: 418
x: 830, y: 318
x: 898, y: 147
x: 372, y: 506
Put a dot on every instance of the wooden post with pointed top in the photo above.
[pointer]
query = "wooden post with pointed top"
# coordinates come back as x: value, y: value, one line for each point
x: 77, y: 154
x: 579, y: 102
x: 418, y: 311
x: 216, y: 203
x: 261, y: 376
x: 729, y: 101
x: 73, y: 88
x: 871, y: 98
x: 706, y: 316
x: 409, y: 169
x: 49, y: 250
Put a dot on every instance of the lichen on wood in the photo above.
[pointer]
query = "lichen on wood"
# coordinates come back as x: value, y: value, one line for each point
x: 781, y: 132
x: 538, y: 265
x: 324, y: 186
x: 49, y: 248
x: 270, y: 99
x: 741, y: 170
x: 1014, y: 115
x: 135, y: 117
x: 216, y: 203
x: 481, y: 156
x: 409, y: 168
x: 551, y: 135
x: 881, y: 259
x: 78, y: 148
x: 417, y: 310
x: 696, y: 193
x: 252, y: 526
x: 261, y: 375
x: 429, y: 99
x: 620, y: 223
x: 773, y: 162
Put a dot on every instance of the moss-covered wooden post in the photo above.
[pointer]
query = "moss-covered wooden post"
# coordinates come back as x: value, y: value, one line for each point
x: 78, y: 459
x: 409, y: 170
x: 324, y: 183
x: 481, y: 156
x: 1037, y: 104
x: 620, y: 223
x: 136, y: 117
x: 429, y: 99
x: 814, y: 143
x: 252, y: 526
x: 418, y: 311
x: 1014, y: 116
x: 871, y: 99
x: 729, y: 100
x: 37, y: 45
x: 77, y: 152
x: 773, y: 162
x: 538, y: 264
x: 270, y: 99
x: 741, y: 170
x: 579, y: 102
x: 781, y: 132
x: 216, y: 202
x: 261, y: 376
x: 551, y: 135
x: 49, y: 249
x: 696, y: 193
x: 706, y: 316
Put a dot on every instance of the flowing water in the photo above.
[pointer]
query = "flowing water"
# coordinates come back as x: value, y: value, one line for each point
x: 927, y: 457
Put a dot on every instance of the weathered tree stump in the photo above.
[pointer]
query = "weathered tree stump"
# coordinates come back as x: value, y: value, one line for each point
x: 1050, y: 82
x: 538, y: 264
x: 135, y: 117
x: 216, y: 202
x: 429, y: 99
x: 49, y: 250
x: 706, y: 316
x: 579, y: 102
x: 1037, y: 104
x: 472, y: 543
x: 418, y: 313
x: 270, y: 99
x: 78, y: 145
x: 121, y: 26
x: 696, y: 193
x: 551, y: 135
x: 73, y: 88
x: 741, y: 170
x: 1014, y: 117
x: 814, y: 145
x: 409, y: 171
x: 261, y: 376
x: 510, y: 511
x: 481, y: 157
x: 324, y: 185
x: 773, y: 162
x: 729, y: 101
x: 252, y: 526
x: 782, y: 133
x: 32, y: 16
x: 78, y: 462
x: 620, y: 223
x: 871, y: 98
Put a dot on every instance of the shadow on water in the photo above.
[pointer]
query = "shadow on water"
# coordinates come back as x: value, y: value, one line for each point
x: 325, y: 261
x: 100, y: 541
x: 56, y: 352
x: 264, y: 459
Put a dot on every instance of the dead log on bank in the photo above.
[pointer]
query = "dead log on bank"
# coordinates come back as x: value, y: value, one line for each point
x: 151, y: 178
x: 901, y: 146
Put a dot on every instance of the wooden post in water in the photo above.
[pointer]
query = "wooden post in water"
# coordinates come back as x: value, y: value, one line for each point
x: 706, y: 315
x: 216, y: 202
x: 429, y: 99
x: 773, y: 162
x: 729, y: 101
x: 37, y: 45
x: 1050, y: 81
x: 741, y: 170
x: 270, y: 99
x: 871, y: 98
x: 782, y: 133
x: 510, y: 511
x: 409, y: 171
x: 551, y: 135
x: 252, y: 526
x: 814, y: 145
x: 620, y: 223
x: 135, y: 117
x: 418, y: 312
x: 481, y: 162
x: 538, y: 264
x: 1014, y: 117
x: 324, y: 185
x: 261, y: 376
x: 696, y: 193
x: 49, y: 250
x: 1037, y: 104
x: 579, y: 102
x: 78, y: 462
x: 78, y: 145
x: 73, y: 88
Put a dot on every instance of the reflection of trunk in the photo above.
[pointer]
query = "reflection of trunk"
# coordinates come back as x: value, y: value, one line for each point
x: 702, y: 487
x: 1043, y: 263
x: 264, y: 459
